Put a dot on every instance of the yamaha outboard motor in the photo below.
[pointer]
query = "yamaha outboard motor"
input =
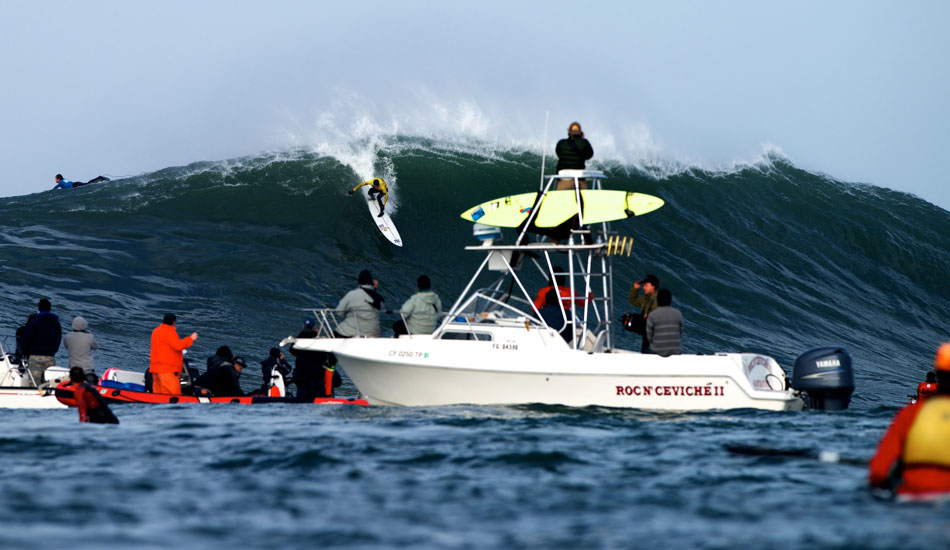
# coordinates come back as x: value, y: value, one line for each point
x: 825, y: 377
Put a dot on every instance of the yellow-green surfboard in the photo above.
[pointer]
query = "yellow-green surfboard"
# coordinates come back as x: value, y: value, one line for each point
x: 600, y: 205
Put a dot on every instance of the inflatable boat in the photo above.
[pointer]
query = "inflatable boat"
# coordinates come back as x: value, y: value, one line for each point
x: 118, y: 386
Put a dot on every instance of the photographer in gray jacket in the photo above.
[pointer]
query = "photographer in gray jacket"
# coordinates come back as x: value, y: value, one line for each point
x: 360, y: 309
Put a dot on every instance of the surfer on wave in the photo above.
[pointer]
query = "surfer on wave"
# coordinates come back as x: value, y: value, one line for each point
x: 377, y: 189
x: 63, y: 183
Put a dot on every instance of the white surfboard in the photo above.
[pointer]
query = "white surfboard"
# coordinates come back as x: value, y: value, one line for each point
x: 384, y: 222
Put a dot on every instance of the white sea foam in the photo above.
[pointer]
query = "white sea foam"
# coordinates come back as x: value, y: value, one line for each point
x: 355, y: 131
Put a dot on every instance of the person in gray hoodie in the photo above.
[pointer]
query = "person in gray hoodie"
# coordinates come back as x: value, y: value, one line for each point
x: 360, y: 309
x: 421, y: 311
x: 80, y: 343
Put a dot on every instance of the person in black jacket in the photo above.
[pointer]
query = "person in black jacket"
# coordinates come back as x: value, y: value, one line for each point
x: 572, y: 154
x: 315, y: 372
x: 41, y: 339
x: 223, y: 355
x: 18, y: 355
x: 223, y: 379
x: 274, y: 360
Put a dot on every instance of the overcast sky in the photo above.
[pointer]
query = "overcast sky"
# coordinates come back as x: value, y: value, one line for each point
x: 854, y: 89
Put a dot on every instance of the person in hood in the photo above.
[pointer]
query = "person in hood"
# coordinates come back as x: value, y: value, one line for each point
x: 377, y: 189
x: 80, y: 343
x: 41, y: 339
x: 420, y: 312
x: 360, y: 309
x: 92, y: 408
x: 913, y: 457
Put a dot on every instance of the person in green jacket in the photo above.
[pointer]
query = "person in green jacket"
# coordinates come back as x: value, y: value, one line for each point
x: 421, y: 311
x: 646, y: 301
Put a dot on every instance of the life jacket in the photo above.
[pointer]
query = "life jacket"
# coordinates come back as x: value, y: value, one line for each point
x: 328, y: 380
x: 928, y: 440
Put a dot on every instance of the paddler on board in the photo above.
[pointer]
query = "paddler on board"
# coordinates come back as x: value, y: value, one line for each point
x: 913, y: 458
x: 377, y: 189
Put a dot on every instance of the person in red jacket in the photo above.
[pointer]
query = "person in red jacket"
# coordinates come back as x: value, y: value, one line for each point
x: 91, y: 407
x: 928, y: 387
x: 559, y: 283
x: 914, y: 454
x: 166, y: 358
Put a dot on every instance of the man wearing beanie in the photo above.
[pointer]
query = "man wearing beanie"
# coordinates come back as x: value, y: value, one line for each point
x: 572, y: 153
x: 41, y: 338
x: 360, y: 309
x: 914, y: 455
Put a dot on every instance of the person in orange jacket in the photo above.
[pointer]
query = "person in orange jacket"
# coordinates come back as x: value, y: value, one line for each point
x: 166, y: 360
x: 914, y: 454
x: 558, y: 283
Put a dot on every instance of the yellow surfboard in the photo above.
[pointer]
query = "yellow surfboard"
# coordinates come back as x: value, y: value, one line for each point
x: 599, y: 205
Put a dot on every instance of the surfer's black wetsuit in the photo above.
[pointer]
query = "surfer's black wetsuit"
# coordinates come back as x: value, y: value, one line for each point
x: 222, y: 380
x: 92, y: 408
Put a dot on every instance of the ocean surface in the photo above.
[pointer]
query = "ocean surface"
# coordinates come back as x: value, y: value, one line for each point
x: 763, y: 257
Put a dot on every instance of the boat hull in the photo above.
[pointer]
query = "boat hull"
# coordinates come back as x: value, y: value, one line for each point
x: 116, y: 395
x: 28, y: 398
x: 427, y: 372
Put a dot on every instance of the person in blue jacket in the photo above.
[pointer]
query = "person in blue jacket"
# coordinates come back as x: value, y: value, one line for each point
x: 41, y: 339
x: 63, y: 183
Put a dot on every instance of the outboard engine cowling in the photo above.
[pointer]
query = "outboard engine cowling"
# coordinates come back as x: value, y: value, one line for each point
x: 826, y: 378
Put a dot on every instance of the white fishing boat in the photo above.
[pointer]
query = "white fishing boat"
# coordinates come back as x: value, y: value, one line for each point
x: 19, y: 391
x: 493, y: 347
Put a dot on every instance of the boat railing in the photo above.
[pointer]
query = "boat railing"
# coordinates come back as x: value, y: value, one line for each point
x: 491, y: 311
x: 328, y: 320
x: 12, y: 371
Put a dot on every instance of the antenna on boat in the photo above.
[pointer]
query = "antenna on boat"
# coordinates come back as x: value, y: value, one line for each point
x: 544, y: 149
